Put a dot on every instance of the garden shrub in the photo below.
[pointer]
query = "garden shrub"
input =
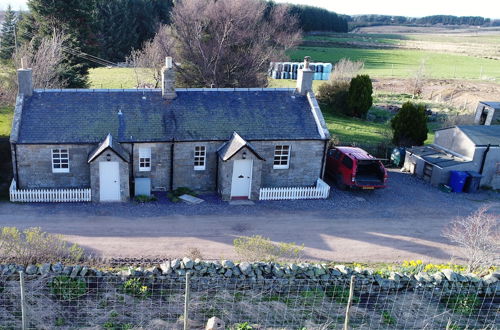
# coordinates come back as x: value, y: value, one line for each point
x: 409, y: 125
x: 145, y: 198
x: 67, y: 288
x: 333, y: 96
x: 258, y: 248
x: 359, y: 98
x: 32, y: 246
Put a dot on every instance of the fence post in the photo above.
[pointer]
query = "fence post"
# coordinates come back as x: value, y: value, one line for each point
x: 24, y: 317
x: 186, y: 302
x: 349, y: 303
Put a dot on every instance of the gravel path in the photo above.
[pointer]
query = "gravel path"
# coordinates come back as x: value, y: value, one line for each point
x: 403, y: 221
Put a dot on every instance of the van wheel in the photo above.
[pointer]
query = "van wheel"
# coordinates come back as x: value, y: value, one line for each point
x: 338, y: 182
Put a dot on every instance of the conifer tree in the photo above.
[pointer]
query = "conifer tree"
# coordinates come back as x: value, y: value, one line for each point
x: 8, y: 35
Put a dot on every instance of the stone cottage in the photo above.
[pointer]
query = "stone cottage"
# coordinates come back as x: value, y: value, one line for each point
x: 225, y: 140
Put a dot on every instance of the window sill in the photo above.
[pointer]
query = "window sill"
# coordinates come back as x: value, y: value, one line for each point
x: 280, y: 167
x: 199, y: 168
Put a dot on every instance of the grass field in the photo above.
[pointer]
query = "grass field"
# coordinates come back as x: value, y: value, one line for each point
x: 404, y: 62
x: 112, y: 78
x: 6, y: 113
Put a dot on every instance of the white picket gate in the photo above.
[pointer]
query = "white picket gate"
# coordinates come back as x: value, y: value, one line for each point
x: 320, y: 191
x: 48, y: 195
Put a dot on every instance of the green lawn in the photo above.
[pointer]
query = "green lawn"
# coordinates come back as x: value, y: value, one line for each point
x: 404, y: 62
x: 6, y: 114
x: 113, y: 78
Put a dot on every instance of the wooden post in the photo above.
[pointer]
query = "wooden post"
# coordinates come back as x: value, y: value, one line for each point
x: 24, y: 317
x: 349, y: 303
x: 186, y: 302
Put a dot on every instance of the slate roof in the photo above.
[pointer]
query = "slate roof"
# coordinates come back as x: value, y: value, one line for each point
x: 482, y: 135
x: 235, y: 144
x: 109, y: 143
x: 86, y: 116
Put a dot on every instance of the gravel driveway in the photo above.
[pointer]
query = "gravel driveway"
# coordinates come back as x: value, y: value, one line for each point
x: 403, y: 221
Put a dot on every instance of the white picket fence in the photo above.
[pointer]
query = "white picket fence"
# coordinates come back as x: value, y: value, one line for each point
x: 321, y: 191
x: 48, y: 195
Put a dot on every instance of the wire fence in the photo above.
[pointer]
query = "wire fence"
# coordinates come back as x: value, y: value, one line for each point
x: 114, y: 302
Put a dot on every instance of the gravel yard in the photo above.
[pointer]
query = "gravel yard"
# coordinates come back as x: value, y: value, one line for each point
x: 403, y: 221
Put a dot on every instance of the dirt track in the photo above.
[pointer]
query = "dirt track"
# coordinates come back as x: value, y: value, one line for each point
x: 402, y: 222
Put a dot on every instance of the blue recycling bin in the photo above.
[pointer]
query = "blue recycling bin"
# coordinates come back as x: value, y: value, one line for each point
x: 457, y: 180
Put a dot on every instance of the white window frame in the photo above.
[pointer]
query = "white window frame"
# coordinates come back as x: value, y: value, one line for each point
x: 200, y: 158
x: 57, y: 154
x: 281, y: 157
x: 144, y: 159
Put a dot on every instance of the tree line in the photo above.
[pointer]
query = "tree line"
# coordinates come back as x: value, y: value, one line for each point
x: 370, y: 20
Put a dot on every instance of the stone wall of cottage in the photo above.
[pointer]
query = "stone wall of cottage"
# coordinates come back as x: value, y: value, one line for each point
x: 34, y: 166
x: 184, y: 174
x: 304, y: 165
x: 160, y: 165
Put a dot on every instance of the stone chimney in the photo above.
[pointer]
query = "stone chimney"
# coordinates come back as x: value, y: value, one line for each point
x: 168, y: 80
x: 25, y: 80
x: 305, y: 78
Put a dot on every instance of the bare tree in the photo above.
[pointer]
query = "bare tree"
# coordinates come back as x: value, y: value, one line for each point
x: 478, y: 236
x: 148, y: 61
x: 417, y: 81
x: 345, y: 69
x: 45, y: 59
x: 221, y: 43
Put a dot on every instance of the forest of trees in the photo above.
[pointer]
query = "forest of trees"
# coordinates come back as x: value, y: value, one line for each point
x: 369, y: 20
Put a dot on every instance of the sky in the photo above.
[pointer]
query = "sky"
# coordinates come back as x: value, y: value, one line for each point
x: 412, y: 8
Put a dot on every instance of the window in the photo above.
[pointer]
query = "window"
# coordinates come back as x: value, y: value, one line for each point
x: 60, y: 161
x: 200, y: 157
x: 144, y: 159
x: 347, y: 162
x: 281, y: 157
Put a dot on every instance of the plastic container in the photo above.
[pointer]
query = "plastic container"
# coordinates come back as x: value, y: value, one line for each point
x: 398, y: 156
x: 317, y: 76
x: 457, y: 180
x: 294, y: 75
x: 325, y: 76
x: 472, y: 182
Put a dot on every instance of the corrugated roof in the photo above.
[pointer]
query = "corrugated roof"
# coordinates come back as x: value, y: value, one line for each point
x: 83, y: 116
x: 482, y: 135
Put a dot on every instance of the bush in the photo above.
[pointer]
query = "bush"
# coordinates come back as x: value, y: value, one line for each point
x: 478, y: 236
x: 333, y: 96
x: 258, y: 248
x: 176, y: 193
x: 135, y: 287
x: 145, y: 198
x: 34, y: 246
x: 67, y: 288
x: 409, y: 125
x: 359, y: 98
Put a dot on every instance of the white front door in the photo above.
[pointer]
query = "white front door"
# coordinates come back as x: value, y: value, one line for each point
x: 109, y: 182
x: 242, y: 178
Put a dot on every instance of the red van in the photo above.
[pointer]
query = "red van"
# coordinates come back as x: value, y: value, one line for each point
x: 354, y: 167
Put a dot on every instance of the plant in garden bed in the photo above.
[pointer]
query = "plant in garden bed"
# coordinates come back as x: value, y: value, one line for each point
x: 135, y: 287
x: 388, y: 318
x: 176, y: 193
x: 67, y: 288
x: 242, y: 326
x: 145, y: 198
x: 465, y: 304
